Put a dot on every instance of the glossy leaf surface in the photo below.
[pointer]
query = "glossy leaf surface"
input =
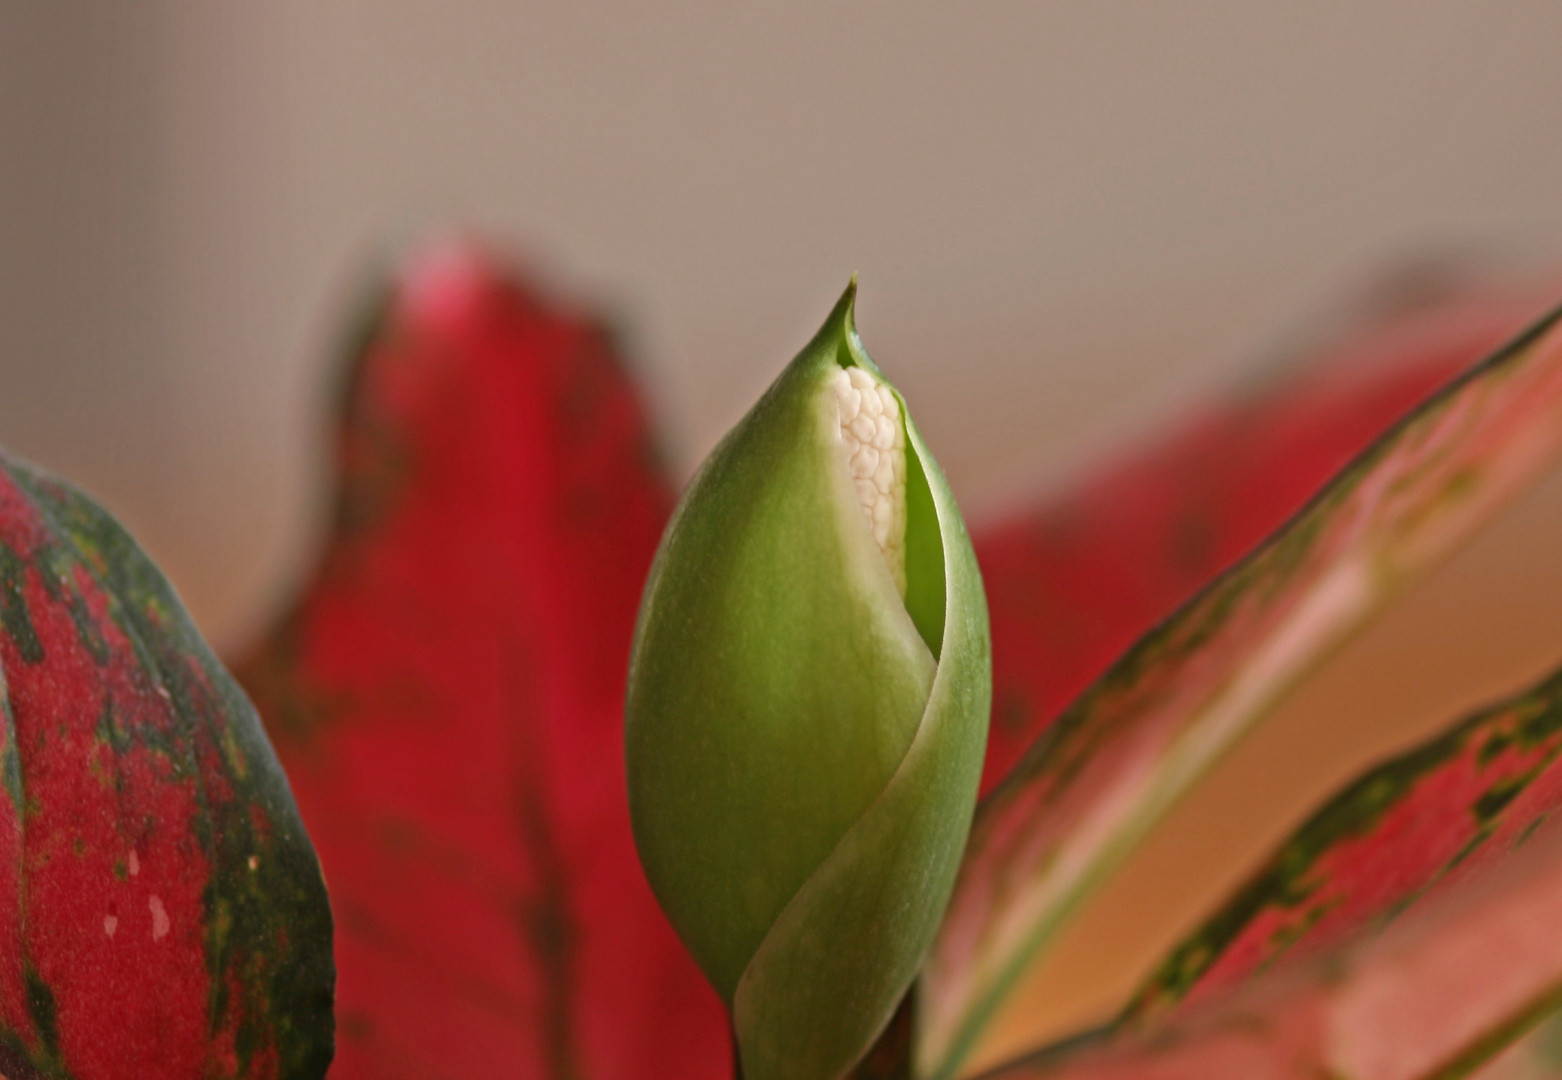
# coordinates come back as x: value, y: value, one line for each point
x: 1416, y: 824
x: 162, y: 913
x: 448, y: 694
x: 1438, y: 994
x: 1074, y: 579
x: 1099, y: 778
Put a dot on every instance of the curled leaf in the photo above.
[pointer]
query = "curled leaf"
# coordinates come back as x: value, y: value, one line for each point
x: 807, y: 710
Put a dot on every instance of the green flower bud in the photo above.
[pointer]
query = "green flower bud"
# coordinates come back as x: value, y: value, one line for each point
x: 807, y: 710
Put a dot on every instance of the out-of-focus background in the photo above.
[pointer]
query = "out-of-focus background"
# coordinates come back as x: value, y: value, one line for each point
x: 1061, y: 212
x: 1067, y: 217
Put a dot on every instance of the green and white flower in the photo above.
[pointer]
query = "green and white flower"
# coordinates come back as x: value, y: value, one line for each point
x: 807, y: 710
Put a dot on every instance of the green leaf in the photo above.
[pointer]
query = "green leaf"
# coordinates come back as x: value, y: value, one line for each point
x: 804, y: 745
x: 1099, y: 779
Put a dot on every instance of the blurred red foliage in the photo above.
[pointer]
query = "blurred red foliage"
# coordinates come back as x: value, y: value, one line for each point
x: 1072, y: 582
x: 446, y: 693
x: 447, y: 697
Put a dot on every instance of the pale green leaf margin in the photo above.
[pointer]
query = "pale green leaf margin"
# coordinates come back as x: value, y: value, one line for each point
x: 1097, y: 781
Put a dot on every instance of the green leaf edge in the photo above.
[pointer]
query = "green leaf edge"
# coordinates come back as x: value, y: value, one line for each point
x: 1532, y: 716
x: 1528, y: 720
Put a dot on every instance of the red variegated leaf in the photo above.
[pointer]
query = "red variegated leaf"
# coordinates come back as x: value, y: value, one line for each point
x: 161, y: 910
x: 1099, y: 778
x: 1415, y: 825
x: 1457, y: 843
x: 448, y: 691
x: 1073, y: 581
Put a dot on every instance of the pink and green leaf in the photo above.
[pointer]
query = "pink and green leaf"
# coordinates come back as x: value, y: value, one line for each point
x: 447, y: 693
x: 162, y: 913
x: 1299, y: 977
x: 1103, y: 774
x: 1075, y: 579
x: 1415, y: 825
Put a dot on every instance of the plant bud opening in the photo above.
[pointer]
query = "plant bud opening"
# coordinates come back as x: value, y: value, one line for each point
x: 873, y: 443
x: 804, y: 730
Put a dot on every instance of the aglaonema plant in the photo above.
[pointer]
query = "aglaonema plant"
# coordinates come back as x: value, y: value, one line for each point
x: 1068, y: 815
x: 759, y: 690
x: 447, y: 694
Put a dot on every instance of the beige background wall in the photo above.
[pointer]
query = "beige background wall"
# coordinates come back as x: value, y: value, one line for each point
x: 1060, y: 210
x: 1066, y: 216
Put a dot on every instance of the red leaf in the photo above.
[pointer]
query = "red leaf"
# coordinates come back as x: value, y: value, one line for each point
x: 1095, y: 783
x: 1072, y: 582
x: 161, y: 911
x: 1416, y: 824
x: 1461, y: 833
x: 448, y: 693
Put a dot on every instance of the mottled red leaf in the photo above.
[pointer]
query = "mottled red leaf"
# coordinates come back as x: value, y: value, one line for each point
x: 447, y: 694
x: 1099, y: 778
x: 1072, y: 581
x: 1415, y: 825
x: 1455, y: 847
x: 161, y: 910
x: 340, y: 668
